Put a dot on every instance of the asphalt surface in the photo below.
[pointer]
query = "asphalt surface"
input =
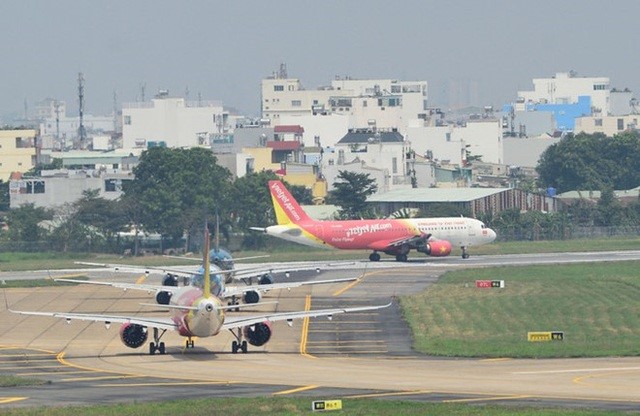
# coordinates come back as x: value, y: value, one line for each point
x: 353, y: 355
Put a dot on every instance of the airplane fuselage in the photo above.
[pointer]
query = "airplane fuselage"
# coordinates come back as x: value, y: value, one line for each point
x: 206, y: 317
x: 373, y: 234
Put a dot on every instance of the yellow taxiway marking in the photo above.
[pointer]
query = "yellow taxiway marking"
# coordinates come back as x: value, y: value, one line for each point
x: 395, y: 393
x: 304, y: 388
x: 489, y: 360
x: 486, y: 399
x: 141, y: 279
x: 358, y: 280
x: 68, y: 276
x: 5, y: 400
x: 26, y: 355
x: 305, y: 329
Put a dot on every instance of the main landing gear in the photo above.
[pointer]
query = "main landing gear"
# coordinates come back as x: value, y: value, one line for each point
x: 465, y: 255
x: 375, y: 256
x: 239, y: 344
x: 157, y: 345
x: 401, y: 257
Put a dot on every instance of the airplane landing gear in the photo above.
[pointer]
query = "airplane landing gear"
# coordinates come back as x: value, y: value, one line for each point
x: 189, y: 343
x: 239, y: 344
x: 374, y: 256
x: 401, y: 257
x: 157, y: 345
x: 465, y: 255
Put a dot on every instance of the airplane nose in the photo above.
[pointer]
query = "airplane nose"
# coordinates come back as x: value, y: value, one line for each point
x: 492, y: 235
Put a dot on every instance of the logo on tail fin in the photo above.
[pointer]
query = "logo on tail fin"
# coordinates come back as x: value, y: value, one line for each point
x: 285, y: 205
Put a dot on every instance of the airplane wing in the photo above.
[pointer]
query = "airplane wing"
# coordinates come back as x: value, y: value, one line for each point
x: 160, y: 323
x: 238, y: 322
x: 239, y: 290
x: 125, y: 286
x: 411, y: 241
x: 141, y: 269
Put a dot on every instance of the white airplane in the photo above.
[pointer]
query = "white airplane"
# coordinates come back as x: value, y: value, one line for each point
x: 431, y: 236
x: 249, y: 294
x: 198, y: 313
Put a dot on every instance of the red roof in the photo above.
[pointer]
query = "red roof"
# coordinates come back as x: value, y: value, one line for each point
x: 296, y: 129
x: 284, y: 145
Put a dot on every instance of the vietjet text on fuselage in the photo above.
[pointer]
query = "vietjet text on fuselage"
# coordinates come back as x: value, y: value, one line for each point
x: 396, y: 237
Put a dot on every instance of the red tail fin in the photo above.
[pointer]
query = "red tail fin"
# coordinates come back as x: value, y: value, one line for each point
x: 286, y: 207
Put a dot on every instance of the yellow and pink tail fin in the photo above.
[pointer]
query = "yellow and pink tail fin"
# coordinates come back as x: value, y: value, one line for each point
x: 206, y: 291
x: 287, y: 208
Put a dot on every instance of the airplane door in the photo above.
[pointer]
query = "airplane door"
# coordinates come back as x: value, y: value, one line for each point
x: 471, y: 230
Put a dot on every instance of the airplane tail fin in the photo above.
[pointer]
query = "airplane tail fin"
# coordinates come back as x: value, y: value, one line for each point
x: 287, y: 208
x: 206, y: 263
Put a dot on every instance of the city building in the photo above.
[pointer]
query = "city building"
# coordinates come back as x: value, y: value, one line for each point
x: 18, y: 151
x: 609, y: 125
x: 174, y: 122
x: 383, y: 103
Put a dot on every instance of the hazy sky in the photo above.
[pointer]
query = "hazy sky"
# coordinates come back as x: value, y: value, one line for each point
x: 222, y: 49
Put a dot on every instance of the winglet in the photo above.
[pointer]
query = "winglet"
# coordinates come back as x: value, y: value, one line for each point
x: 206, y: 263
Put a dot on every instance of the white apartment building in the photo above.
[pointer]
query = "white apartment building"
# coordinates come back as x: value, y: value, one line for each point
x: 565, y: 88
x: 381, y: 103
x: 173, y: 122
x: 453, y: 142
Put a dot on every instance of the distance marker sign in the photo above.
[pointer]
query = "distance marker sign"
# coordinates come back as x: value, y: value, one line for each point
x: 488, y: 284
x: 322, y: 405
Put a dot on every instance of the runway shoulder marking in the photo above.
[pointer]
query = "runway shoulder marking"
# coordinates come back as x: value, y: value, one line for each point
x: 175, y: 383
x: 393, y: 393
x: 296, y: 390
x: 486, y: 399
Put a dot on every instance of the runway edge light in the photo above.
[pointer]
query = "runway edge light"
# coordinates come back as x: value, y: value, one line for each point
x: 322, y: 405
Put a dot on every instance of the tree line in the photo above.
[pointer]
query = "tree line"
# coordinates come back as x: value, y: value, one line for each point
x: 174, y: 191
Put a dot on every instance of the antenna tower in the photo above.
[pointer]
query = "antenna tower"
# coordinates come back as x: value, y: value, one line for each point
x: 82, y: 135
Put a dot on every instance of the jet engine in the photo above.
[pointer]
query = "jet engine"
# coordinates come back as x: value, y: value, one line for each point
x: 436, y: 248
x: 163, y: 298
x: 266, y: 279
x: 252, y: 296
x: 170, y: 280
x: 133, y: 335
x: 258, y: 334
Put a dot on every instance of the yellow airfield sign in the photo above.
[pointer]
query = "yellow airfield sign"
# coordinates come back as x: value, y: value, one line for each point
x: 545, y: 336
x: 322, y: 405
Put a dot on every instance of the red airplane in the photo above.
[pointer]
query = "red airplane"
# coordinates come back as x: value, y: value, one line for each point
x: 396, y: 237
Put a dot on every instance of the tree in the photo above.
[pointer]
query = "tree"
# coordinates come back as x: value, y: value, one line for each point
x: 107, y: 217
x: 4, y: 196
x: 250, y: 206
x: 350, y: 194
x: 24, y: 223
x: 591, y: 162
x: 176, y: 189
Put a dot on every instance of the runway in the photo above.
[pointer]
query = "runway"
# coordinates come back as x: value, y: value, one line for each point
x: 353, y: 355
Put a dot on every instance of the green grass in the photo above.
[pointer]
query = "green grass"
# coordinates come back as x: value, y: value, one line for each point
x: 595, y: 304
x: 278, y: 406
x: 37, y: 283
x: 15, y: 381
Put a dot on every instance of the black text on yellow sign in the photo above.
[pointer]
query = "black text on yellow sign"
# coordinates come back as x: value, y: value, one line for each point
x: 545, y: 336
x: 326, y: 405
